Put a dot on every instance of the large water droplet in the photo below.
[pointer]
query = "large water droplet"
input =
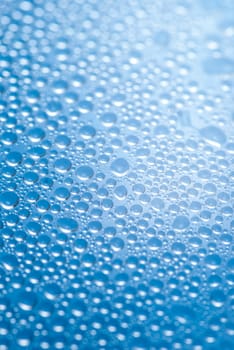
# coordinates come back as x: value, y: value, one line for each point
x: 120, y: 167
x: 213, y: 135
x: 8, y: 200
x: 180, y: 223
x: 67, y: 225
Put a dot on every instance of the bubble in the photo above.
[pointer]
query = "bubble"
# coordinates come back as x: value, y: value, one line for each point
x: 14, y: 158
x: 24, y: 338
x: 121, y: 192
x: 54, y: 108
x: 154, y: 243
x: 82, y: 207
x: 8, y: 200
x: 33, y: 228
x: 80, y: 245
x: 62, y: 165
x: 84, y: 173
x: 180, y: 223
x: 43, y: 205
x: 9, y: 261
x: 213, y: 136
x: 12, y: 220
x: 26, y: 300
x: 78, y: 80
x: 8, y: 138
x: 213, y: 261
x: 120, y: 167
x: 183, y: 313
x: 30, y: 178
x: 52, y: 291
x: 45, y: 308
x: 85, y: 106
x: 67, y: 225
x: 94, y: 226
x: 37, y: 152
x: 161, y: 131
x: 78, y: 308
x: 87, y: 132
x: 62, y: 141
x: 178, y: 248
x: 36, y: 135
x: 157, y: 204
x: 108, y: 119
x: 117, y: 244
x: 218, y: 298
x: 62, y: 193
x: 59, y: 86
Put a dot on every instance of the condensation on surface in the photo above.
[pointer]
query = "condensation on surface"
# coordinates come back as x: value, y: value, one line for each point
x: 116, y: 187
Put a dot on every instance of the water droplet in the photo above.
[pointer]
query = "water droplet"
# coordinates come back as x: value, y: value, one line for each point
x: 120, y: 167
x: 181, y: 222
x: 213, y: 135
x: 67, y: 225
x: 84, y: 173
x: 8, y: 200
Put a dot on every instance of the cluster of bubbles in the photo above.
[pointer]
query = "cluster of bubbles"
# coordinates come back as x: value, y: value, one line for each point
x: 116, y: 188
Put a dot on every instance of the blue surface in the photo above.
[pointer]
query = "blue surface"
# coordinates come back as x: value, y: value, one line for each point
x: 116, y: 189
